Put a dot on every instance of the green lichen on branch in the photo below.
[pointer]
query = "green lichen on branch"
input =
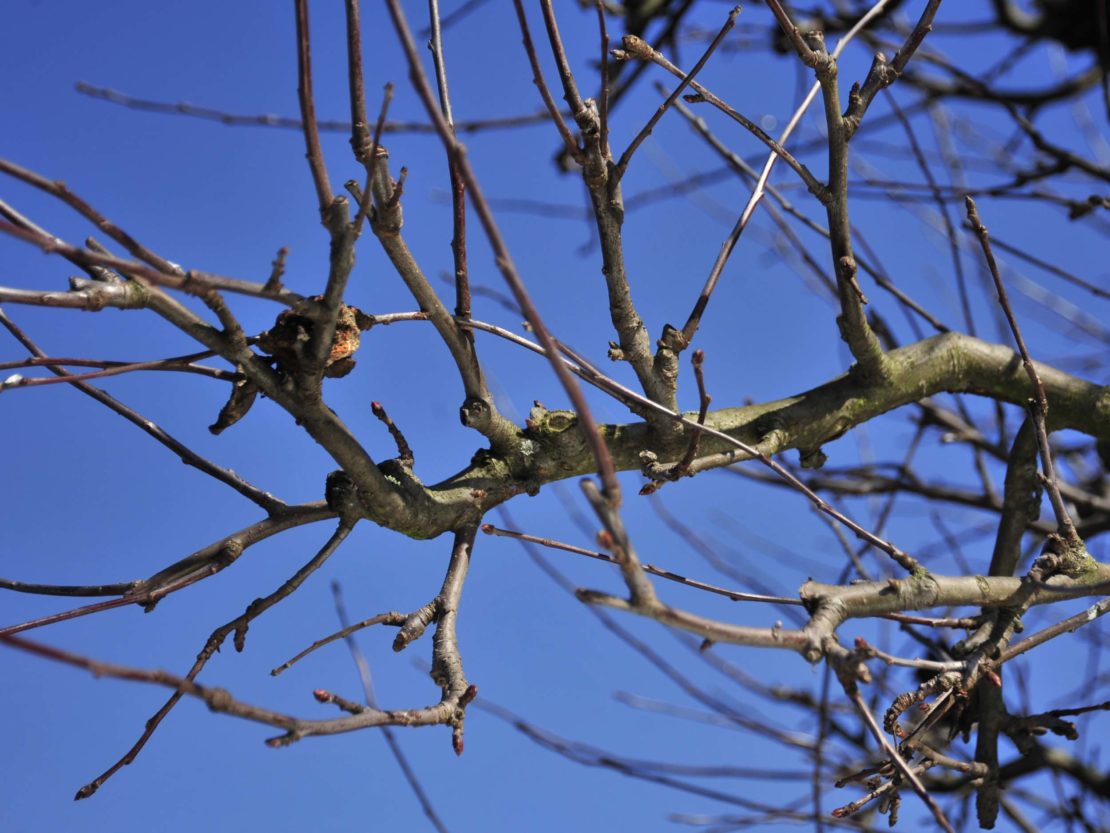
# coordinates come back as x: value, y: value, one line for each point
x: 552, y: 448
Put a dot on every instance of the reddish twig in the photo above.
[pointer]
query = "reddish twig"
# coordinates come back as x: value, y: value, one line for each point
x: 458, y: 187
x: 360, y: 129
x: 537, y: 79
x: 404, y: 450
x: 562, y: 64
x: 697, y: 360
x: 313, y: 152
x: 58, y: 189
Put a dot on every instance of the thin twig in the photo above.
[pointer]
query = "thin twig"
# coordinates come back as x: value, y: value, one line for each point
x: 637, y: 48
x: 117, y: 589
x: 1039, y: 406
x: 737, y: 164
x: 941, y: 208
x: 537, y: 79
x: 1069, y: 625
x: 186, y: 684
x: 181, y: 364
x: 58, y: 189
x: 197, y: 566
x: 641, y: 592
x: 360, y: 129
x: 285, y: 122
x: 603, y: 105
x: 735, y: 595
x: 883, y: 73
x: 313, y: 152
x: 436, y: 47
x: 1097, y: 291
x: 458, y: 187
x: 896, y: 759
x: 697, y: 361
x: 404, y: 450
x: 263, y: 499
x: 562, y: 63
x: 277, y: 270
x: 193, y: 281
x: 390, y: 618
x: 387, y: 732
x: 694, y: 319
x: 687, y: 80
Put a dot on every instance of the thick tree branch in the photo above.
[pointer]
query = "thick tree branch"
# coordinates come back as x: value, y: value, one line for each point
x: 949, y: 362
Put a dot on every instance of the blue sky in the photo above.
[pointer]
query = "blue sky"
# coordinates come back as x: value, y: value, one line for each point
x: 87, y: 498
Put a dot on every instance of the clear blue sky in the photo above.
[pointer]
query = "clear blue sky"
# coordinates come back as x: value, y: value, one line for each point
x: 87, y: 498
